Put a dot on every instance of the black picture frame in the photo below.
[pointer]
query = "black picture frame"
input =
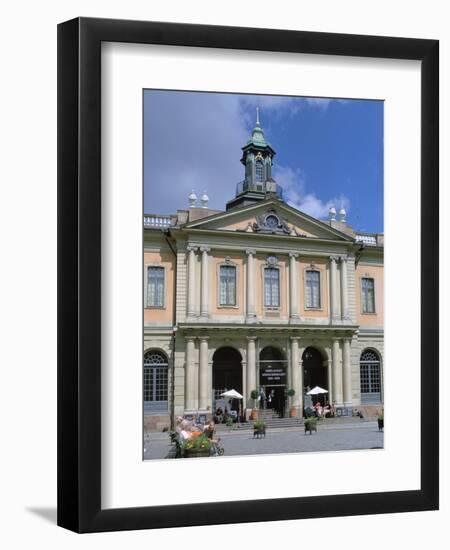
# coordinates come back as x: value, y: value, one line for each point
x: 79, y: 274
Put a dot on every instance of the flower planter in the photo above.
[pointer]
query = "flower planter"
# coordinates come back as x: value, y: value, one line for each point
x: 293, y: 412
x: 196, y: 453
x: 259, y: 432
x: 310, y: 426
x: 254, y: 414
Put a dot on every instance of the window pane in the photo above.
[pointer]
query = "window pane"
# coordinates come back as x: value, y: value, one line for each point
x: 271, y: 287
x: 312, y: 291
x: 370, y: 373
x: 368, y: 295
x: 155, y: 287
x: 259, y: 167
x: 231, y: 296
x: 156, y: 377
x: 308, y: 296
x: 227, y: 291
x: 223, y: 288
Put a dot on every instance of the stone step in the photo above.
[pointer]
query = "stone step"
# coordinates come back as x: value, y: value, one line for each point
x: 283, y: 423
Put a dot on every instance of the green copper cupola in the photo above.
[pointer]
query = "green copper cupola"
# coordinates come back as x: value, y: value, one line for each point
x: 257, y: 158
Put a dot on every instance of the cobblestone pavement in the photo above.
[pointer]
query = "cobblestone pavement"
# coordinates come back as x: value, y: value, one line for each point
x: 327, y: 438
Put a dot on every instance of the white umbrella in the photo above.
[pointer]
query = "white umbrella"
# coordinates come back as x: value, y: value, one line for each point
x: 316, y: 391
x: 231, y: 394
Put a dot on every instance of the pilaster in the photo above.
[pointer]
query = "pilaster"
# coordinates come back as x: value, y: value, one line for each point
x: 204, y: 301
x: 250, y: 285
x: 192, y: 308
x: 293, y: 287
x: 203, y: 373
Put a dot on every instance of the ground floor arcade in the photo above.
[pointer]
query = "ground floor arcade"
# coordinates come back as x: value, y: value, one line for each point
x: 186, y: 373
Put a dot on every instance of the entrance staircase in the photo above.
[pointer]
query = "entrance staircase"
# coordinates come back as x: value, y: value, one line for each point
x: 273, y: 420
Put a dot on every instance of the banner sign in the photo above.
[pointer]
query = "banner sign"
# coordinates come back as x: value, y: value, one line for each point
x: 270, y: 374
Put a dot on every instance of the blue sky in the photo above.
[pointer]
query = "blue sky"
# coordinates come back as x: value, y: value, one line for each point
x: 329, y: 151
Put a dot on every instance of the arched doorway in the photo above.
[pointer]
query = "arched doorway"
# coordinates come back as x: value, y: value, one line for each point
x: 226, y: 375
x: 314, y: 374
x: 273, y: 379
x: 370, y: 373
x: 156, y: 381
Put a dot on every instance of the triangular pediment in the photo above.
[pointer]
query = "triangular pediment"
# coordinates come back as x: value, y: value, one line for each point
x: 270, y: 216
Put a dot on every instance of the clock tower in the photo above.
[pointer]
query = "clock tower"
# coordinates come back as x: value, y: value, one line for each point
x: 257, y: 158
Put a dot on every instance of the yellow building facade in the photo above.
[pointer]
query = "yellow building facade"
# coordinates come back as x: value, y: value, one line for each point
x: 259, y: 296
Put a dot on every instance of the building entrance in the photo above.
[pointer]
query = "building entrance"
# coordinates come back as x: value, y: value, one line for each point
x: 272, y: 380
x: 314, y: 374
x: 226, y: 375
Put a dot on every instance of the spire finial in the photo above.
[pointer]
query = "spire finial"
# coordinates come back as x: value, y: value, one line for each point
x: 257, y: 116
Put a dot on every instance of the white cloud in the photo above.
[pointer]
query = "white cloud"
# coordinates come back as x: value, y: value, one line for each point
x: 294, y: 193
x: 193, y: 141
x: 278, y: 105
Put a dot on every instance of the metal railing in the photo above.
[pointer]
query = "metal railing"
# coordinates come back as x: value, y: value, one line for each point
x: 245, y: 186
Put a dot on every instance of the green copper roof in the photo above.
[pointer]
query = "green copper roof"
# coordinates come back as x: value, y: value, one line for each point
x: 258, y: 138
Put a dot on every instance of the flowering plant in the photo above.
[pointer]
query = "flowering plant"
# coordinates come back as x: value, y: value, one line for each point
x: 259, y: 425
x: 200, y: 442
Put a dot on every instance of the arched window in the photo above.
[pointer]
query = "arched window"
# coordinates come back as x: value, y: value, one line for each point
x: 259, y: 171
x: 156, y: 378
x: 370, y: 377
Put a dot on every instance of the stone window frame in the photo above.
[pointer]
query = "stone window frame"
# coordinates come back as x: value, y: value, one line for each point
x: 313, y: 267
x: 150, y: 407
x: 227, y: 263
x: 146, y: 267
x: 278, y: 308
x: 373, y: 349
x: 367, y: 276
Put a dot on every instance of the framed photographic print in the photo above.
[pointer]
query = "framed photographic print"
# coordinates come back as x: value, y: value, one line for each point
x: 248, y: 275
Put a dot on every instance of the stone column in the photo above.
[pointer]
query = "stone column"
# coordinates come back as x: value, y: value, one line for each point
x: 192, y: 309
x: 333, y: 288
x: 301, y: 383
x: 203, y: 374
x: 251, y: 367
x: 244, y: 384
x: 347, y: 368
x: 190, y: 374
x: 293, y: 287
x: 297, y: 375
x: 337, y: 373
x: 251, y: 312
x: 204, y: 305
x: 344, y: 289
x: 330, y: 381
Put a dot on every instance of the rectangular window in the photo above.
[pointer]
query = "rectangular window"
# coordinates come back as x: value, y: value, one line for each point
x: 155, y: 287
x: 368, y: 295
x: 227, y: 288
x: 271, y: 287
x: 312, y: 289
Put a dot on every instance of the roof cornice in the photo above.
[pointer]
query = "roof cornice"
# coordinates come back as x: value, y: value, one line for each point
x: 266, y: 202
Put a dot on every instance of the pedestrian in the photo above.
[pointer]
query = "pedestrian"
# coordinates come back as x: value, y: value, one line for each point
x: 262, y: 398
x: 209, y: 430
x: 179, y: 420
x: 186, y: 430
x: 318, y: 408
